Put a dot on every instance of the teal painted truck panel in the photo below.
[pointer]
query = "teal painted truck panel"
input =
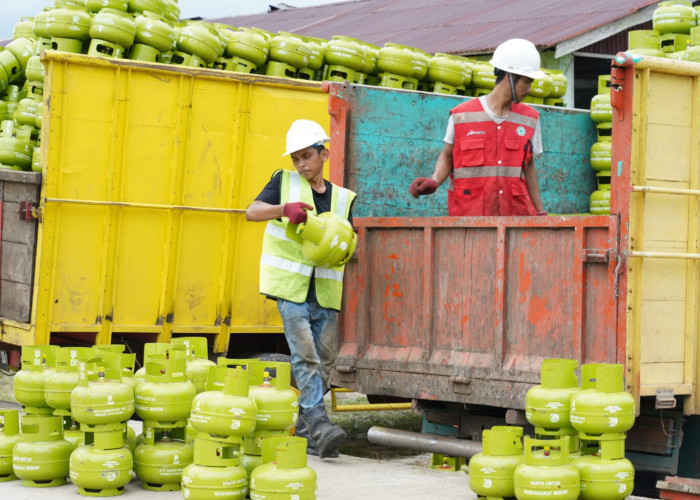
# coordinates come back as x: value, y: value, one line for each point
x: 397, y: 135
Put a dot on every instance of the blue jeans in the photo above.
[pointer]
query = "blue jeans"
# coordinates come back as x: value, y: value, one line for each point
x: 312, y: 335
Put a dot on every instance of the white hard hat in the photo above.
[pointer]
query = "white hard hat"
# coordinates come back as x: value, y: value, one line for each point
x: 304, y: 133
x: 518, y: 56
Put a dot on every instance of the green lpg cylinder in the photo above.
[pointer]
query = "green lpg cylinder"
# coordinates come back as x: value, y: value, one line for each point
x: 541, y: 87
x: 35, y: 78
x: 491, y: 471
x: 601, y: 156
x: 153, y: 36
x: 40, y: 30
x: 546, y: 471
x: 150, y: 349
x: 156, y: 6
x: 249, y: 46
x: 600, y: 199
x: 547, y: 405
x: 161, y: 458
x: 284, y: 473
x: 483, y: 78
x: 227, y: 413
x: 42, y: 456
x: 605, y: 408
x: 198, y: 363
x: 9, y: 437
x: 692, y: 53
x: 215, y: 471
x: 344, y: 58
x: 674, y: 16
x: 644, y: 43
x: 605, y: 472
x: 601, y: 110
x: 101, y: 397
x: 446, y: 69
x: 102, y: 467
x: 24, y: 28
x: 29, y: 383
x: 559, y: 83
x: 94, y: 6
x: 165, y: 398
x: 327, y: 239
x: 68, y: 29
x: 112, y: 31
x: 201, y: 41
x: 276, y: 402
x: 60, y: 384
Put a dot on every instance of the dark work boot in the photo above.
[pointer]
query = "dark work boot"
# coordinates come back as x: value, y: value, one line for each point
x: 326, y: 436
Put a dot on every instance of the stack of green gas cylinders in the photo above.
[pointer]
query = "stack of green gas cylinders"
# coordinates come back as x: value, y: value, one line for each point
x: 151, y: 31
x: 674, y: 33
x: 208, y: 430
x: 601, y: 151
x: 578, y: 448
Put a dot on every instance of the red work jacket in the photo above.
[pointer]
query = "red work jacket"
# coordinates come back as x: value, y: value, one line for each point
x: 488, y: 161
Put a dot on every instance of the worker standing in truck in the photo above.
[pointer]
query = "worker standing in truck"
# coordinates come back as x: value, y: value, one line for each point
x: 491, y: 142
x: 308, y: 297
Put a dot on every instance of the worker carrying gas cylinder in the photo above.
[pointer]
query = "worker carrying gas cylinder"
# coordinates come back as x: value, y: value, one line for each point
x: 490, y: 143
x: 308, y: 292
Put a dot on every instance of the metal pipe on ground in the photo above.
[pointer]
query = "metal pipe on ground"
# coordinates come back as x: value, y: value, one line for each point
x: 430, y: 443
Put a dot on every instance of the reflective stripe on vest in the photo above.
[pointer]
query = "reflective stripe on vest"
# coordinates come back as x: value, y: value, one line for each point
x: 497, y: 171
x: 284, y: 271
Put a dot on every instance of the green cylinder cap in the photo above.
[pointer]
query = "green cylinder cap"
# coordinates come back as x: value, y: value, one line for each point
x: 10, y: 422
x: 503, y: 440
x: 236, y: 382
x: 610, y: 378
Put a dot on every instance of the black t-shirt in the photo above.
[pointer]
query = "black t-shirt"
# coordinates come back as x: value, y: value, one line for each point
x: 322, y: 201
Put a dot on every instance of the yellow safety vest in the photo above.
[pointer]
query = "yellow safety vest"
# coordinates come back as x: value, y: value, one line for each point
x: 284, y: 272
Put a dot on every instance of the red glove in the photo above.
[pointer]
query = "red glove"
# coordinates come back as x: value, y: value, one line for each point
x: 296, y: 211
x: 423, y: 185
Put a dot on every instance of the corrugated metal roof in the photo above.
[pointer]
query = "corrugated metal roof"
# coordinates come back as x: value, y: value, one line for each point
x: 453, y: 26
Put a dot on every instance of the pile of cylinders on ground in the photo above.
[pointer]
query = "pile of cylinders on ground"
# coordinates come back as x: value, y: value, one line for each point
x: 208, y: 430
x: 674, y: 34
x: 601, y: 151
x: 579, y: 446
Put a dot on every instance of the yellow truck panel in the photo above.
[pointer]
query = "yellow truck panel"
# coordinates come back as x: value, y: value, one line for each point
x: 148, y: 170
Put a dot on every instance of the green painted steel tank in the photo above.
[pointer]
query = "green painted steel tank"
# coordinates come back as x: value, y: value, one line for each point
x: 68, y: 23
x: 114, y: 26
x: 483, y: 76
x: 24, y: 28
x: 165, y: 398
x: 161, y: 458
x: 101, y: 397
x: 447, y: 69
x: 491, y: 471
x: 600, y: 199
x: 396, y: 59
x: 605, y: 473
x: 201, y: 41
x: 29, y: 383
x: 345, y: 51
x: 215, y: 471
x: 198, y: 363
x: 605, y: 408
x: 9, y: 437
x: 153, y: 31
x: 284, y: 472
x: 148, y: 350
x: 248, y: 45
x: 227, y: 413
x: 559, y: 83
x: 41, y: 457
x: 97, y: 5
x: 546, y: 471
x: 23, y: 49
x: 60, y: 384
x: 547, y: 405
x: 159, y: 7
x: 276, y: 402
x: 541, y: 87
x: 601, y: 155
x: 327, y: 239
x: 289, y: 49
x: 644, y: 43
x: 102, y: 467
x: 674, y: 16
